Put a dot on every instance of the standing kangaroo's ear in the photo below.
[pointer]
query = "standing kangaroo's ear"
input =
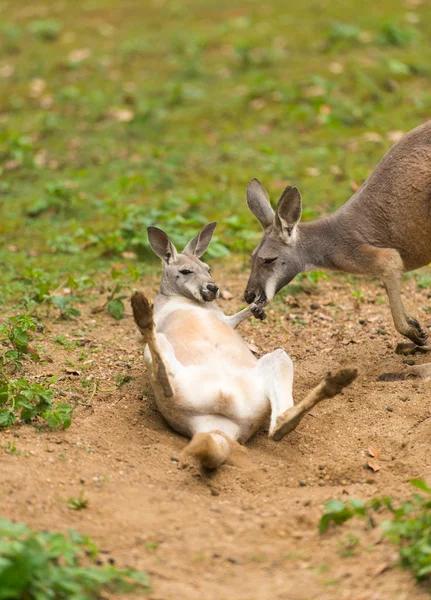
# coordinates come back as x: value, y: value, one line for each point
x: 198, y: 245
x: 162, y: 245
x: 258, y: 203
x: 288, y: 213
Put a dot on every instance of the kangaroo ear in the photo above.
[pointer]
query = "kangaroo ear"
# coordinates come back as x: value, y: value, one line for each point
x: 199, y: 244
x: 288, y: 213
x: 162, y: 245
x: 258, y: 203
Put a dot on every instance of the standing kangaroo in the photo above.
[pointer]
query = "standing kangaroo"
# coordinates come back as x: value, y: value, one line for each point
x: 207, y: 383
x: 384, y: 230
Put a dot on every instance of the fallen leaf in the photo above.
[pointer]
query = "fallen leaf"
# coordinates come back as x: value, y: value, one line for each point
x: 380, y: 568
x: 98, y: 309
x: 314, y: 91
x: 226, y: 295
x: 374, y: 452
x: 6, y: 70
x: 37, y: 86
x: 72, y: 371
x: 374, y: 466
x: 122, y: 115
x: 372, y: 136
x: 325, y: 109
x: 324, y: 317
x: 336, y: 68
x: 77, y: 56
x: 131, y: 255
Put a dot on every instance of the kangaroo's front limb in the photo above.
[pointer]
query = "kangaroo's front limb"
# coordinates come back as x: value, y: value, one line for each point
x: 253, y: 309
x: 328, y: 388
x: 143, y: 314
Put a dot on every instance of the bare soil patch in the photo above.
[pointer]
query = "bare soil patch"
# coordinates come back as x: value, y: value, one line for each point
x: 249, y: 530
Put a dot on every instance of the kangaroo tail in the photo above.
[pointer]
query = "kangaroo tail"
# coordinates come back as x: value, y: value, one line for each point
x: 211, y: 449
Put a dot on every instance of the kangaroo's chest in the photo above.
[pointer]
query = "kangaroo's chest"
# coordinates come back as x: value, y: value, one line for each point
x: 199, y: 336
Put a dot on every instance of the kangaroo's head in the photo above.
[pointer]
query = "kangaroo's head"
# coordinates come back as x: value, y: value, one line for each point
x: 183, y: 273
x: 276, y: 260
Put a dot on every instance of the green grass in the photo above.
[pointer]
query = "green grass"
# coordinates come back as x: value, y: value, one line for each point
x: 407, y: 525
x: 116, y: 115
x: 41, y: 565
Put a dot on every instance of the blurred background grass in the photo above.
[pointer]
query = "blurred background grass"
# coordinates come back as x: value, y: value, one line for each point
x: 115, y: 115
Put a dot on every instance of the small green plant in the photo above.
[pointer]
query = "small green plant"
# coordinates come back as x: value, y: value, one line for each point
x: 423, y: 279
x: 349, y: 546
x: 17, y: 331
x: 409, y: 525
x: 315, y: 276
x: 45, y: 29
x: 41, y: 565
x: 22, y: 399
x: 338, y: 512
x: 340, y: 32
x: 397, y: 35
x: 115, y: 304
x: 123, y: 379
x: 63, y: 304
x: 10, y: 448
x: 63, y: 341
x: 151, y: 546
x: 78, y: 503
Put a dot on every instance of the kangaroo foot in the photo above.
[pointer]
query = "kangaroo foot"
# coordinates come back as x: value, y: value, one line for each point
x: 142, y: 312
x: 408, y: 348
x: 328, y: 388
x: 415, y: 372
x: 415, y: 333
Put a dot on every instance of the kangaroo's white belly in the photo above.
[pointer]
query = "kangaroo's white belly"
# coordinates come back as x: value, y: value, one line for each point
x: 217, y: 395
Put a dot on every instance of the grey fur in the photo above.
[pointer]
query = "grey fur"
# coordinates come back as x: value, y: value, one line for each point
x: 183, y: 273
x: 383, y: 230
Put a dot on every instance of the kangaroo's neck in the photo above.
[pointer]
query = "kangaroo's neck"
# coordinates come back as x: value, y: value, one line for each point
x: 317, y: 243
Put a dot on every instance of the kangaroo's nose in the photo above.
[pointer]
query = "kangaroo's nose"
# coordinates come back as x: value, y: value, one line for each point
x: 211, y: 287
x: 249, y: 296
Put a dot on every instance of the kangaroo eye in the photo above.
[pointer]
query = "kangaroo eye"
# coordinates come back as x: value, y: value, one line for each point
x: 268, y: 261
x: 185, y: 272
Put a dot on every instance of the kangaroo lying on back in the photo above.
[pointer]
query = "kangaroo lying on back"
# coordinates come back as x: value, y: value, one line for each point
x: 384, y: 230
x: 207, y: 383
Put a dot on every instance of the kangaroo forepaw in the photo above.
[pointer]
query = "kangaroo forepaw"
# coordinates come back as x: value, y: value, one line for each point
x: 258, y: 312
x: 142, y: 311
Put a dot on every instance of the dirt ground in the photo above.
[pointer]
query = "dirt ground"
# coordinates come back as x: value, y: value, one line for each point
x: 249, y: 530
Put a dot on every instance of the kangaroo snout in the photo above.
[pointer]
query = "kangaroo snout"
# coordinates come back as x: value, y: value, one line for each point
x: 210, y: 292
x: 249, y: 296
x: 258, y: 297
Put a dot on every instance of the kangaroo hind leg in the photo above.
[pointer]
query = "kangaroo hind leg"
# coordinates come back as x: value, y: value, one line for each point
x: 143, y: 315
x: 328, y: 388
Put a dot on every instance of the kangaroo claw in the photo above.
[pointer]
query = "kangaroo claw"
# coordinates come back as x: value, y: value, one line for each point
x: 258, y: 312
